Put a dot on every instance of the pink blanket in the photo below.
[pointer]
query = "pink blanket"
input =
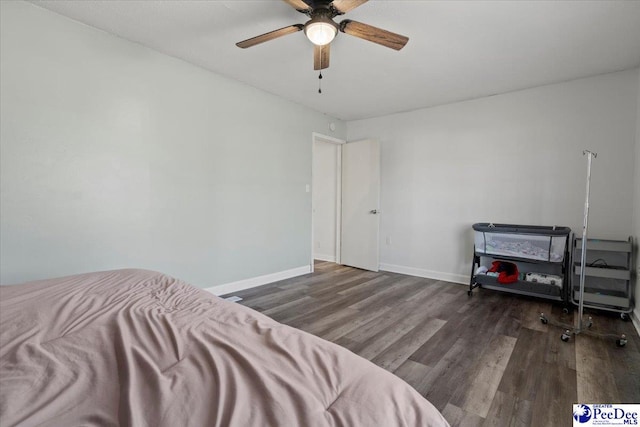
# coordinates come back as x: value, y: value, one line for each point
x: 139, y: 348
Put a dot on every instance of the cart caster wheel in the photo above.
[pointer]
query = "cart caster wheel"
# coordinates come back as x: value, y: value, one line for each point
x: 624, y: 316
x: 590, y: 322
x: 469, y: 293
x: 565, y: 336
x: 622, y: 341
x: 543, y: 319
x: 565, y: 310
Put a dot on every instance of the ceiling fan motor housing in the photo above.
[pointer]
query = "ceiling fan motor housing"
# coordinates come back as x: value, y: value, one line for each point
x: 319, y: 5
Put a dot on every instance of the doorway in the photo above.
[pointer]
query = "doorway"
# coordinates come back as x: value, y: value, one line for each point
x: 326, y: 198
x: 345, y: 200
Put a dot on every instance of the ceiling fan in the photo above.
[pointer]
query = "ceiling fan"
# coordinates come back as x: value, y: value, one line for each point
x: 321, y: 28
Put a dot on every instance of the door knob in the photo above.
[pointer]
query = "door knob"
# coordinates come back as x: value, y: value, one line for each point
x: 373, y: 211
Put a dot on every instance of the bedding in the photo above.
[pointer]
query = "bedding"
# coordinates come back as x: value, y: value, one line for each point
x: 139, y: 348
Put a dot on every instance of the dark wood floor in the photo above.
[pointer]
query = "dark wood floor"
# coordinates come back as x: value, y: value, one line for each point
x: 481, y: 360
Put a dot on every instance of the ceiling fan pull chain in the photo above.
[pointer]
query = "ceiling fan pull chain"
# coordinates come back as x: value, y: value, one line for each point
x: 320, y: 82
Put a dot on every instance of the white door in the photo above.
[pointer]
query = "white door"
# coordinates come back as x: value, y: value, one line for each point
x: 360, y: 204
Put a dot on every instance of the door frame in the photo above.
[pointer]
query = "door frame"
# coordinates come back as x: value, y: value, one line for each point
x: 318, y: 137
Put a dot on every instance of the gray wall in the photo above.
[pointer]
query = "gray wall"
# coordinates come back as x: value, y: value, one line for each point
x: 510, y: 158
x: 113, y: 155
x: 636, y: 211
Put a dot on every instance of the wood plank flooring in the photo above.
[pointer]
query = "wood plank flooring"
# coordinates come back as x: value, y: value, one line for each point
x: 484, y: 360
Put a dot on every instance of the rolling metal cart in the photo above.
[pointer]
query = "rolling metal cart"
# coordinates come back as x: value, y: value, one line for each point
x: 607, y: 275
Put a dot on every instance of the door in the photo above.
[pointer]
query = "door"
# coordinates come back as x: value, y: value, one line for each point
x: 361, y: 204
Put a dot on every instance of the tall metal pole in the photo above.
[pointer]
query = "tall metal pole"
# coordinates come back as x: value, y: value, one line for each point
x: 585, y: 226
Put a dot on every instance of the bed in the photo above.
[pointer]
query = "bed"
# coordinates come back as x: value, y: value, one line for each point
x: 140, y: 348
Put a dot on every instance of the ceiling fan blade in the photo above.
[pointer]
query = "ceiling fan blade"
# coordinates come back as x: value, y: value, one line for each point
x: 270, y: 36
x: 298, y: 5
x: 373, y: 34
x: 321, y: 57
x: 345, y: 6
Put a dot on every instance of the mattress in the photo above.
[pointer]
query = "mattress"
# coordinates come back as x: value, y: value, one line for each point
x: 139, y: 348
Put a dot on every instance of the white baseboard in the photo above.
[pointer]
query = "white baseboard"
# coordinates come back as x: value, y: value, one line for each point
x: 429, y: 274
x: 258, y: 281
x: 323, y: 257
x: 636, y: 320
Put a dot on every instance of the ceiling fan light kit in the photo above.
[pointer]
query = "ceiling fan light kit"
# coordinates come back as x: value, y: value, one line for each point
x: 321, y: 29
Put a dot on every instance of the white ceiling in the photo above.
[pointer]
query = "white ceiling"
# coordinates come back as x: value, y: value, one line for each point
x: 457, y: 49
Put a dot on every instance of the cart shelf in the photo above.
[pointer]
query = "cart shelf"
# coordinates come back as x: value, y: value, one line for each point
x: 612, y: 301
x: 620, y: 273
x: 522, y: 287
